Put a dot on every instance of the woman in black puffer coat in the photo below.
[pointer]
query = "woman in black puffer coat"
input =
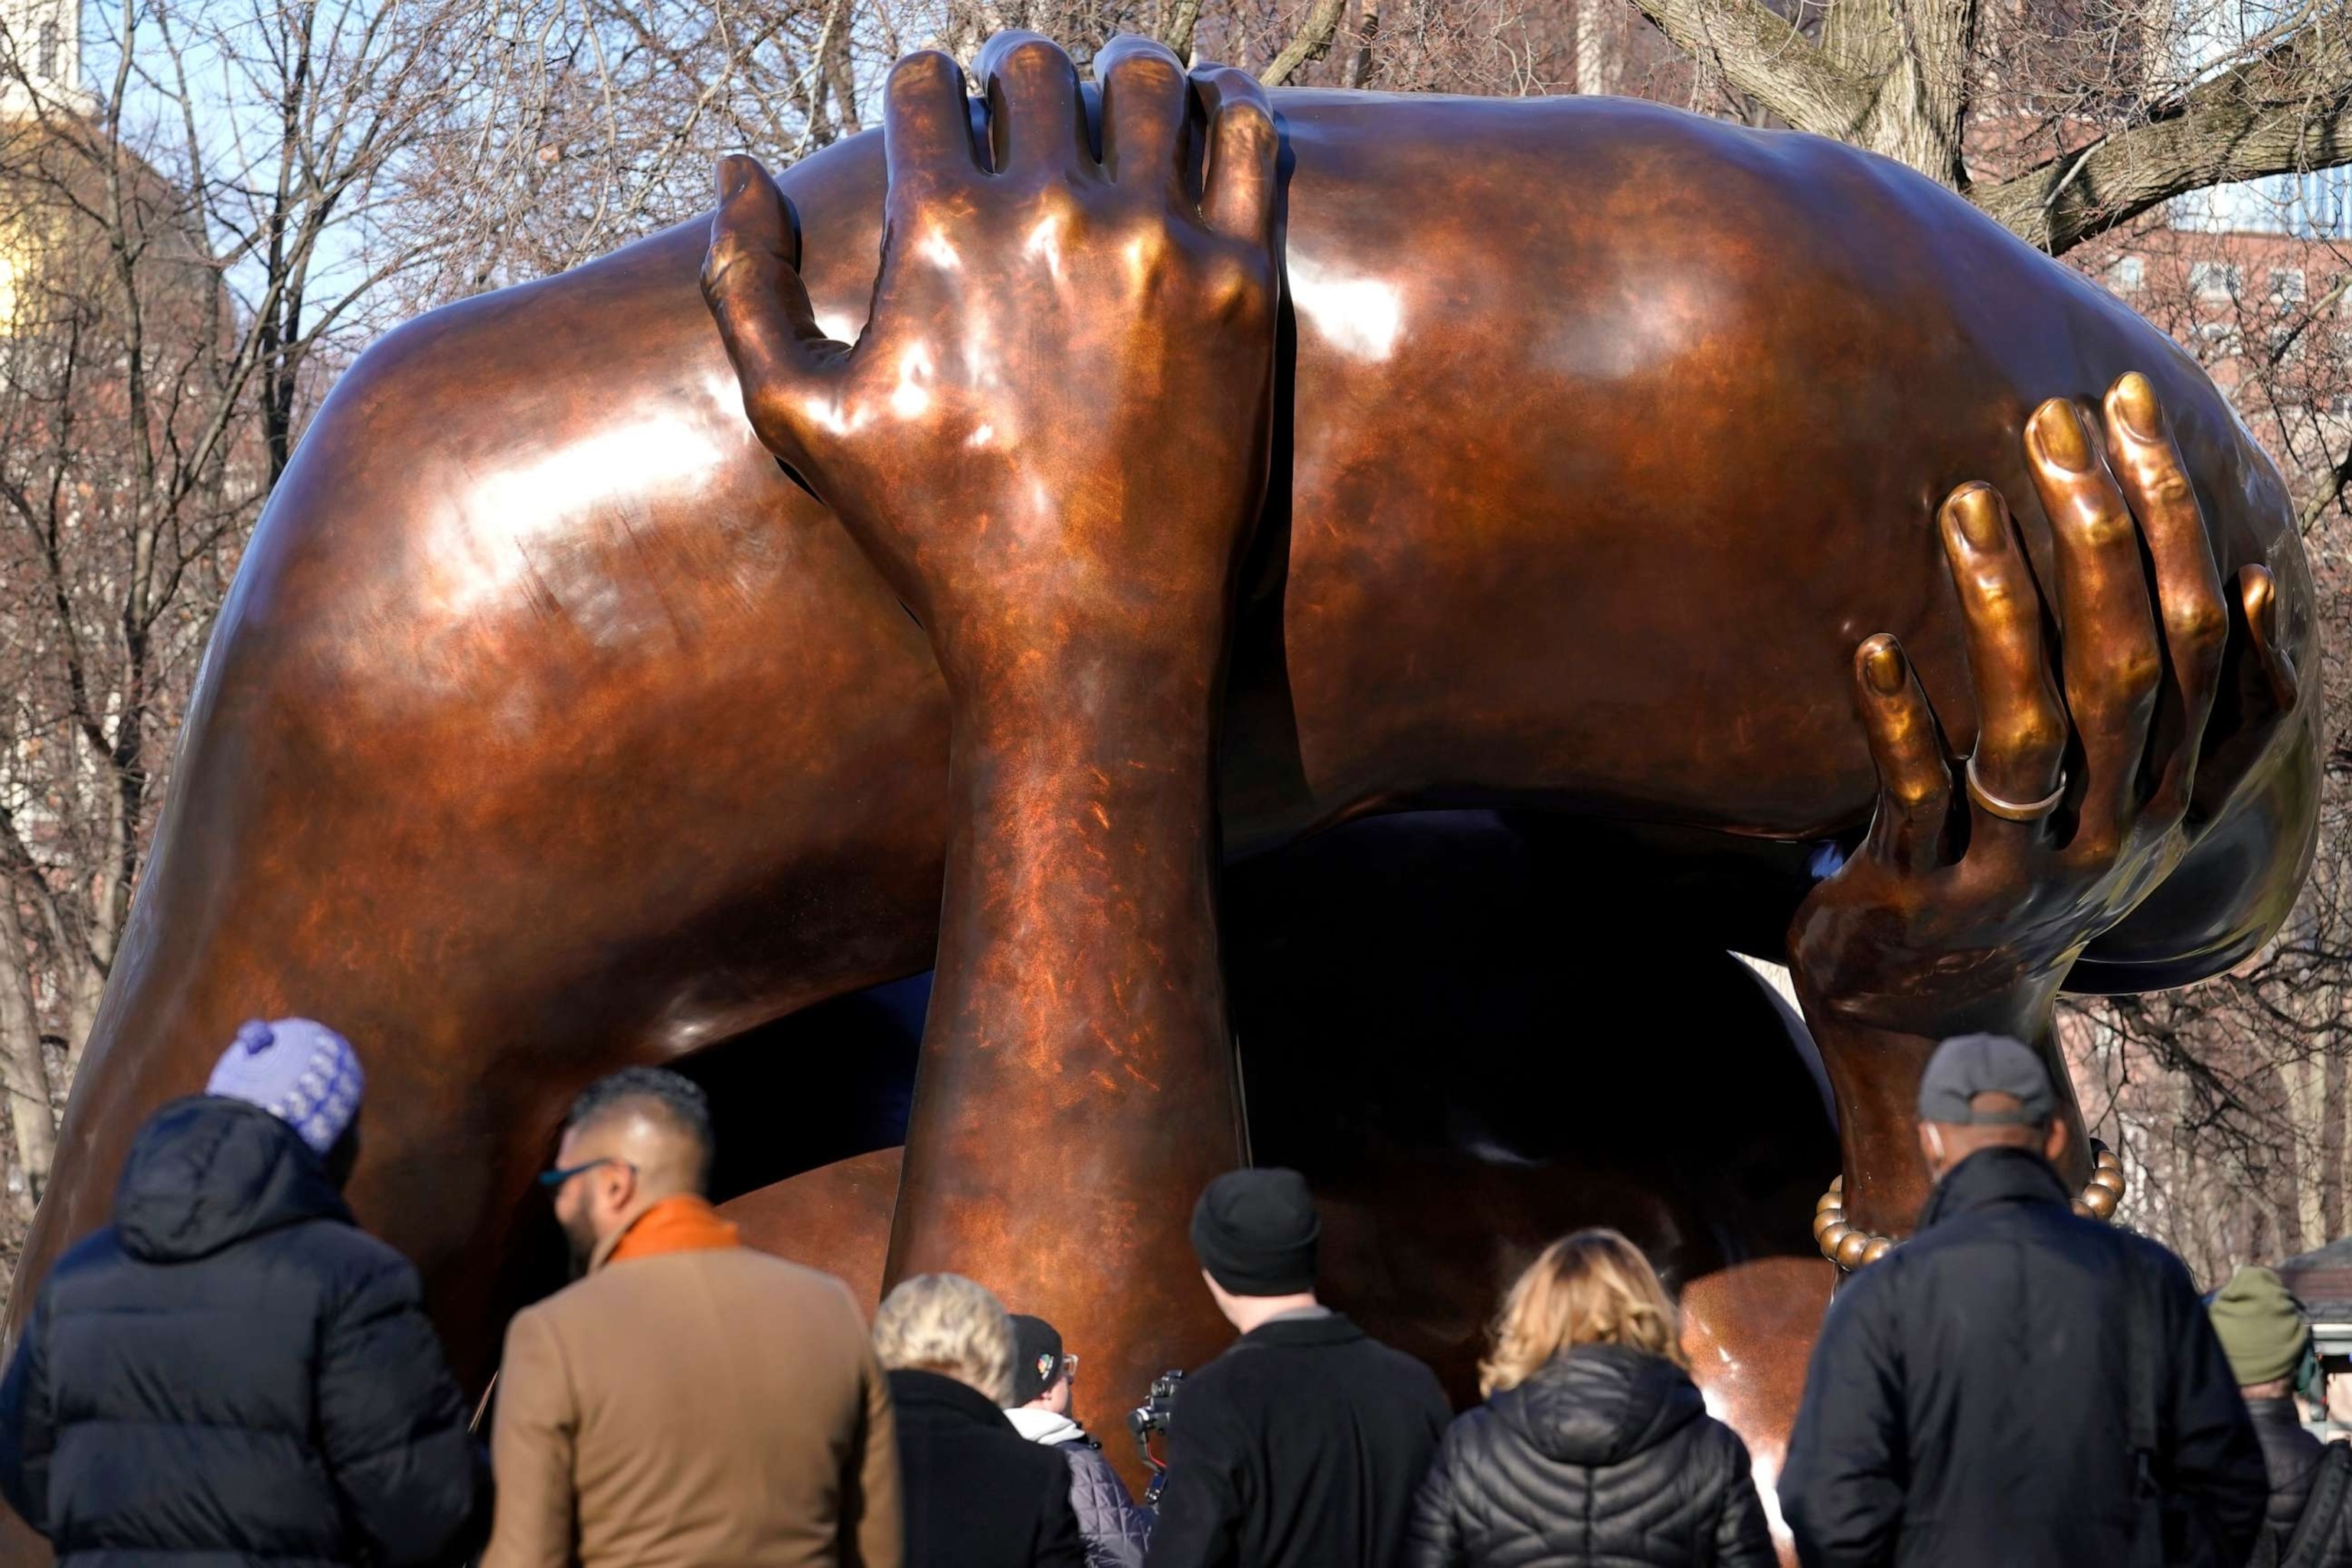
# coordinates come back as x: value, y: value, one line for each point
x: 1593, y: 1448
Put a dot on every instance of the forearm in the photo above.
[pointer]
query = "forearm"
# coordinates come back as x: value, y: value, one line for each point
x: 1078, y: 945
x: 1874, y: 1068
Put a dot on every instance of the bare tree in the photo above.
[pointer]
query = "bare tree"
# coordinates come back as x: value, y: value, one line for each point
x: 187, y: 259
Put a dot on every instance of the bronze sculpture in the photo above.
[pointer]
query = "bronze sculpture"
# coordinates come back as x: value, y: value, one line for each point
x: 550, y: 726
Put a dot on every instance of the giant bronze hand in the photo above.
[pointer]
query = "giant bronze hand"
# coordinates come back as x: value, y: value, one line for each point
x: 1981, y: 880
x: 1051, y: 439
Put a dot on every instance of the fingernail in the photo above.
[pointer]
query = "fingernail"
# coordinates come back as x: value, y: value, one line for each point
x: 2134, y: 403
x: 734, y: 173
x: 1979, y: 517
x: 1883, y: 668
x: 2060, y: 431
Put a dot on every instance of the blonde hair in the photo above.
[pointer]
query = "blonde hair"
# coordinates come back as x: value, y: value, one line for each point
x: 1592, y: 1288
x: 947, y: 1324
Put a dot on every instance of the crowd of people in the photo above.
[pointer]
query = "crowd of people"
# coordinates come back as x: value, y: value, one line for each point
x: 232, y: 1370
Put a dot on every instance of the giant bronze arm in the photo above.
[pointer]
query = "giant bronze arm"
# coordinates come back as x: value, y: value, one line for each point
x: 1051, y: 439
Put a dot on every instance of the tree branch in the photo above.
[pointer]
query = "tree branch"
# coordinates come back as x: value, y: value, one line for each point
x: 2288, y: 112
x: 1312, y: 40
x: 1763, y: 55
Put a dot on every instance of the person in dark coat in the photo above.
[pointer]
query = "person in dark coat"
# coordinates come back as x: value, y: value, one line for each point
x: 232, y: 1369
x: 1593, y: 1446
x: 1300, y: 1446
x: 2266, y: 1336
x: 1970, y: 1397
x: 977, y: 1495
x: 1114, y: 1526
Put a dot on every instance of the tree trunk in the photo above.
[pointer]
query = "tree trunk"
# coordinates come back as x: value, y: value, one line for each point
x: 1597, y: 66
x: 21, y: 1067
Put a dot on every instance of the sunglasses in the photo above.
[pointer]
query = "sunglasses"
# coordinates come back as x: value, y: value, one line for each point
x: 554, y: 1179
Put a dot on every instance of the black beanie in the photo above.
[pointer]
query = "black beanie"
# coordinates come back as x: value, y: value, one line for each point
x: 1256, y: 1233
x: 1037, y: 1357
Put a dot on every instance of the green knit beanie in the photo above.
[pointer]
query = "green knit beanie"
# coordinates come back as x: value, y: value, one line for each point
x: 2261, y: 1327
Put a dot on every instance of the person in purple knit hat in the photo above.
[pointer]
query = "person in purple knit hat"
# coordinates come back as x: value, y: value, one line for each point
x: 232, y: 1368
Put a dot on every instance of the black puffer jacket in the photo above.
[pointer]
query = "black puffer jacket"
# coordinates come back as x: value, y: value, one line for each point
x: 233, y: 1370
x: 2293, y: 1458
x: 1605, y: 1456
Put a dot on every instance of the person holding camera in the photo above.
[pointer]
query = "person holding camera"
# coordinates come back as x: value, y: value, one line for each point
x: 1300, y: 1446
x: 1113, y: 1527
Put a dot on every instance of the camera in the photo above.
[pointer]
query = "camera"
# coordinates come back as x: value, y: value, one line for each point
x: 1152, y: 1415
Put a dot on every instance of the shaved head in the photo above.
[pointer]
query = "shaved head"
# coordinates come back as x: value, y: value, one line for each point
x: 631, y: 1141
x: 662, y: 1118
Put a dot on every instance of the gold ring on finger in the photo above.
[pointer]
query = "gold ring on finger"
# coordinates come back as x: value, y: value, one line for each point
x: 2011, y: 810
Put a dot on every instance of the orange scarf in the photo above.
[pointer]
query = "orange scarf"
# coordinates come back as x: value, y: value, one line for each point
x: 686, y: 1223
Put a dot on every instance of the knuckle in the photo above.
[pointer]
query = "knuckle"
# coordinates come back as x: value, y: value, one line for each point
x: 2130, y: 670
x: 2102, y: 527
x: 1234, y: 289
x: 2095, y: 847
x: 2197, y: 626
x: 1911, y: 792
x: 2035, y: 737
x: 2168, y: 487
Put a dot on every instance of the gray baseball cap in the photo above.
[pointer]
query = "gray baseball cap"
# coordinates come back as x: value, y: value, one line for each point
x: 1967, y: 1066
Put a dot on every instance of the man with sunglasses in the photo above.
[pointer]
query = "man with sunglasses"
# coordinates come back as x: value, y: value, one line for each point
x: 1114, y: 1527
x: 688, y: 1401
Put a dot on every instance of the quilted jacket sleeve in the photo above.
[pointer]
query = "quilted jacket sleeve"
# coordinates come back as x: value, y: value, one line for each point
x: 27, y: 1426
x: 392, y: 1424
x: 1059, y: 1545
x: 1116, y: 1528
x: 1742, y: 1538
x: 1434, y: 1532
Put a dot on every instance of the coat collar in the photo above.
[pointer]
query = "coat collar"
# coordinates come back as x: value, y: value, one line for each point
x: 683, y: 1223
x: 1300, y: 1333
x: 1990, y: 1177
x: 936, y: 1394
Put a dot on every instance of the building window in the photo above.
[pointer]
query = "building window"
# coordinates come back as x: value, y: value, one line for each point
x: 2220, y: 339
x: 2216, y: 282
x: 45, y: 59
x: 2287, y: 285
x: 2127, y: 274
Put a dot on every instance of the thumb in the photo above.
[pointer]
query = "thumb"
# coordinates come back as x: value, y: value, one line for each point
x: 790, y: 371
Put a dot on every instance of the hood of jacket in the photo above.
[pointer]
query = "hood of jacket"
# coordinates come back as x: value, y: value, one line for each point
x: 206, y: 1173
x: 1990, y: 1177
x: 1599, y: 1404
x: 1045, y: 1426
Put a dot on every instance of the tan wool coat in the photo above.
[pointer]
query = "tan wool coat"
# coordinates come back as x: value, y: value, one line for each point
x: 699, y: 1409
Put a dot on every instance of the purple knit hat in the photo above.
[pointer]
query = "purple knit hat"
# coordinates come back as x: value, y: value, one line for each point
x: 303, y: 1073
